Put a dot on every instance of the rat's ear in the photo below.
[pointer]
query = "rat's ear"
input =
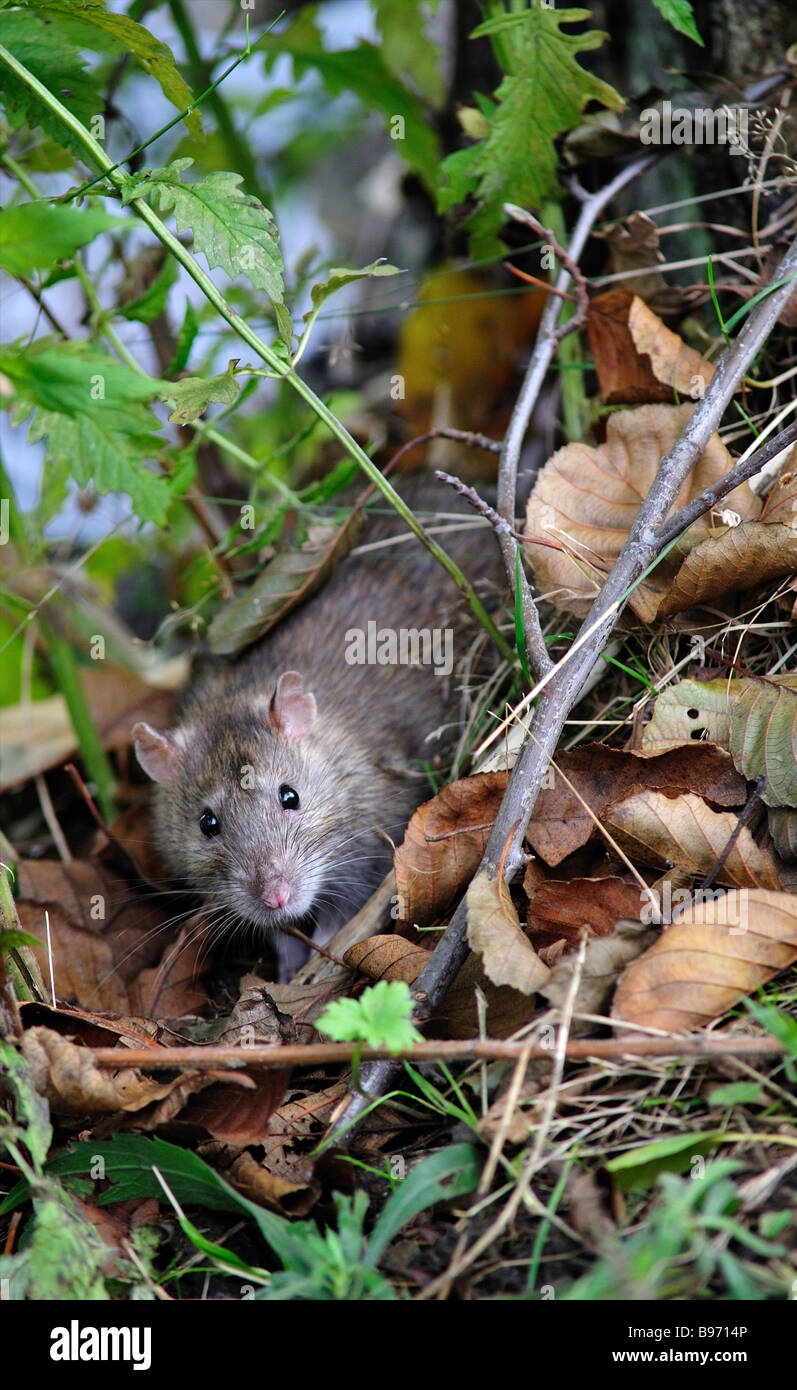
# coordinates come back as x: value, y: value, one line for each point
x: 292, y: 710
x: 160, y: 755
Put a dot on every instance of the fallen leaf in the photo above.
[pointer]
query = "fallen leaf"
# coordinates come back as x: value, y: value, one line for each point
x: 603, y: 776
x: 560, y: 908
x: 739, y: 557
x: 780, y: 503
x: 763, y: 736
x: 685, y: 832
x: 586, y: 499
x: 72, y: 1083
x: 604, y: 958
x: 696, y: 710
x: 634, y: 245
x: 637, y: 358
x: 494, y: 934
x: 443, y: 845
x: 388, y: 957
x: 713, y: 954
x: 783, y: 829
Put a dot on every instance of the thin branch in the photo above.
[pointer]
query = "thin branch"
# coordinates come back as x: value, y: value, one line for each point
x: 707, y: 500
x: 565, y: 260
x: 263, y: 1055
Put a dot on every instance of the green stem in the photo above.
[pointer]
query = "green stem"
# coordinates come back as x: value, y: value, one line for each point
x: 97, y: 156
x: 574, y: 402
x: 65, y: 670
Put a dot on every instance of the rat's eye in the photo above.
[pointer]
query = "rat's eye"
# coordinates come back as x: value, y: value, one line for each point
x: 289, y: 799
x: 209, y: 823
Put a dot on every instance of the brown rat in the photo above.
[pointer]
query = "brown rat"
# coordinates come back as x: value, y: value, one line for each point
x: 289, y: 771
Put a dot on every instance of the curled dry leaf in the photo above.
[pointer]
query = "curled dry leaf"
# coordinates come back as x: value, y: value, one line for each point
x: 764, y: 736
x: 696, y: 710
x: 494, y: 934
x: 634, y: 245
x: 69, y: 1079
x: 714, y: 953
x: 637, y: 358
x: 443, y: 846
x: 685, y: 832
x: 388, y: 957
x: 736, y: 557
x: 586, y: 499
x: 783, y: 829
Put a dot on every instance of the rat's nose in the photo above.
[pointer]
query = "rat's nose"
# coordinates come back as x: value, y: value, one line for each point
x: 276, y: 894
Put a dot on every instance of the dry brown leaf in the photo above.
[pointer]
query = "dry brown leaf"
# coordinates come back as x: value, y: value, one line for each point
x: 713, y: 954
x: 637, y: 358
x: 603, y: 776
x: 604, y: 958
x: 634, y: 245
x: 505, y: 1009
x: 443, y: 846
x: 388, y: 957
x: 560, y: 908
x: 738, y: 557
x: 587, y: 498
x: 780, y: 503
x: 783, y: 829
x: 494, y: 934
x: 656, y: 829
x: 70, y: 1080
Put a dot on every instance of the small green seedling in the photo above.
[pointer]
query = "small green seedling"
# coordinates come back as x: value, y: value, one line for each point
x: 379, y: 1018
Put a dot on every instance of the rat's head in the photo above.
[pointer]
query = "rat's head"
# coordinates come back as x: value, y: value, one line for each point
x: 247, y: 810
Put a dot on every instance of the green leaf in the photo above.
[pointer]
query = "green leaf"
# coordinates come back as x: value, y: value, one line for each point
x: 341, y: 276
x: 781, y: 1025
x: 380, y: 1017
x: 91, y: 409
x: 65, y: 1258
x: 190, y: 397
x: 10, y: 940
x: 406, y: 47
x: 445, y: 1175
x: 638, y: 1168
x: 232, y: 229
x: 59, y: 66
x: 362, y: 71
x: 681, y: 16
x: 38, y: 234
x: 737, y: 1093
x: 541, y: 96
x: 94, y: 26
x: 286, y: 581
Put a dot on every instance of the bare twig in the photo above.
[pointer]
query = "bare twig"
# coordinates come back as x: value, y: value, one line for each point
x: 565, y: 260
x: 211, y: 1058
x: 468, y: 437
x: 742, y: 820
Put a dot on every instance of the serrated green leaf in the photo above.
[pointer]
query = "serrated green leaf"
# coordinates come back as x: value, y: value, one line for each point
x: 190, y: 397
x: 60, y: 68
x: 97, y: 27
x: 681, y: 16
x: 380, y: 1017
x: 232, y: 229
x: 37, y: 234
x: 362, y: 71
x: 286, y: 581
x: 539, y: 98
x: 763, y: 736
x: 340, y: 276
